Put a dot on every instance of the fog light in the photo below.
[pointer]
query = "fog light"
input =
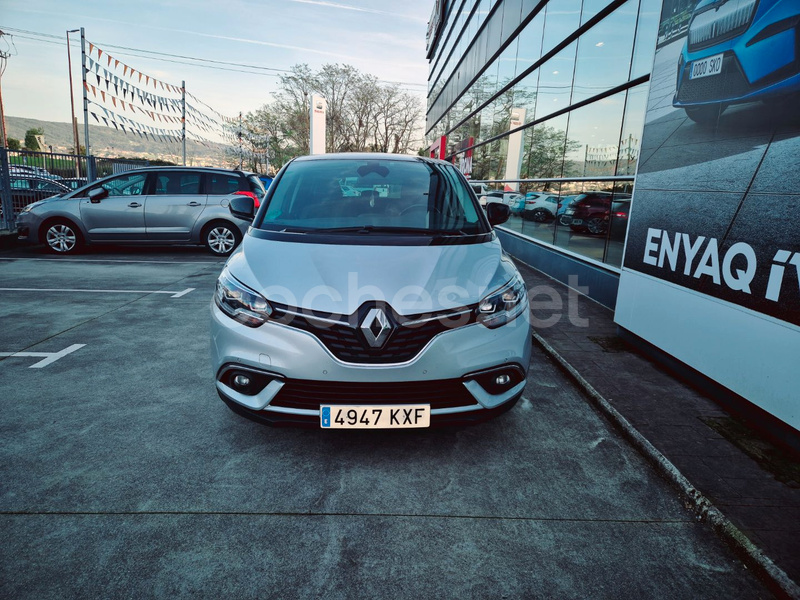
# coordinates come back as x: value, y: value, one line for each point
x: 502, y: 379
x: 241, y: 381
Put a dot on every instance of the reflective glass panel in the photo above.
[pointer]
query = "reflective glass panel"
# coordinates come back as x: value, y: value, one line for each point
x: 562, y: 18
x: 593, y: 138
x: 604, y: 54
x: 555, y: 82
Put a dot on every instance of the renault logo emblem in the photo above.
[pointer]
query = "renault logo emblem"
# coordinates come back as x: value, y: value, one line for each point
x: 376, y: 327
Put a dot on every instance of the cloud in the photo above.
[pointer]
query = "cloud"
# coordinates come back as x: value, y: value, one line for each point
x: 359, y: 9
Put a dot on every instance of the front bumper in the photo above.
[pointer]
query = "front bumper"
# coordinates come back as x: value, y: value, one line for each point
x: 759, y: 64
x: 299, y: 373
x: 27, y: 227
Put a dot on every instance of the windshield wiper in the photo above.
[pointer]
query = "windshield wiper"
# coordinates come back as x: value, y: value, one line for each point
x: 365, y: 229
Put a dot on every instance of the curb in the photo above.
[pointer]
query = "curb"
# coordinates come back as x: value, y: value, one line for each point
x: 753, y: 558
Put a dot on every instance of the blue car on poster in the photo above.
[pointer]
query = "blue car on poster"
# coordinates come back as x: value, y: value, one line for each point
x: 738, y: 51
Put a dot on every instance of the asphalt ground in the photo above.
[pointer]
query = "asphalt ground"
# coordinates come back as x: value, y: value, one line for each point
x: 122, y: 474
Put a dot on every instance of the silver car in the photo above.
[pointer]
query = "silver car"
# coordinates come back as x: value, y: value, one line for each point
x: 153, y: 205
x: 396, y: 308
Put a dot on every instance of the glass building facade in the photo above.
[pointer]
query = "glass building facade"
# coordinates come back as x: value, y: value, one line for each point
x: 553, y: 91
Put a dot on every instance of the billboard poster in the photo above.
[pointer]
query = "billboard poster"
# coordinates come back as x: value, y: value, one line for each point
x: 712, y: 255
x: 717, y: 200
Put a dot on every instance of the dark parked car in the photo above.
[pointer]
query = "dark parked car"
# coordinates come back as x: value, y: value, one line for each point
x: 156, y: 205
x: 26, y: 189
x: 563, y: 204
x: 738, y: 51
x: 591, y: 212
x: 74, y: 183
x: 620, y: 209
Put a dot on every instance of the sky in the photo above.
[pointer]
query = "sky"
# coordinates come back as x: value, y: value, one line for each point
x: 376, y: 37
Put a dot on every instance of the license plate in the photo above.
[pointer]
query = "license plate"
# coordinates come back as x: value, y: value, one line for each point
x: 576, y: 221
x: 706, y: 67
x: 375, y: 417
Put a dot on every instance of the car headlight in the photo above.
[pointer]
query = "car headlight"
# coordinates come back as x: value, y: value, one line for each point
x: 504, y: 305
x: 241, y: 303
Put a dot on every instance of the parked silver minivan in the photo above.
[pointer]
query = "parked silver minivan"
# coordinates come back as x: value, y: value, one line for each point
x: 152, y: 205
x: 396, y: 308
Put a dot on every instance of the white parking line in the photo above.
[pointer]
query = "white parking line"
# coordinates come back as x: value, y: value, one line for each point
x: 48, y: 358
x: 172, y: 294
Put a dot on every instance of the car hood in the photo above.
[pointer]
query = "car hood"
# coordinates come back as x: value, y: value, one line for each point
x: 42, y: 202
x: 338, y: 279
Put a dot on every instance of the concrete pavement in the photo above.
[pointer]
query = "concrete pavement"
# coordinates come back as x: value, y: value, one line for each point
x: 752, y: 482
x: 123, y: 474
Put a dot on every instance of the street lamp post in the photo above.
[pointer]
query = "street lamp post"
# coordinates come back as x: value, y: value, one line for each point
x: 77, y: 149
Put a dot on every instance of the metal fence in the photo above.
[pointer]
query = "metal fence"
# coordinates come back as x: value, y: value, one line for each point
x: 27, y: 177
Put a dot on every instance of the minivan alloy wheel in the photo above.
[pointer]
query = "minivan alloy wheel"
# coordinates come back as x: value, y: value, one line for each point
x: 61, y: 238
x: 221, y: 240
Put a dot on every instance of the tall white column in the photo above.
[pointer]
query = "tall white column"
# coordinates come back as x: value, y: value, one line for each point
x: 514, y: 158
x: 317, y: 113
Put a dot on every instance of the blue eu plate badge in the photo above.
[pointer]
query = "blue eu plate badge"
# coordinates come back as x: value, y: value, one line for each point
x: 326, y: 416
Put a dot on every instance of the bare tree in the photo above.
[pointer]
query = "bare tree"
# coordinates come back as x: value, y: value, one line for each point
x: 362, y: 115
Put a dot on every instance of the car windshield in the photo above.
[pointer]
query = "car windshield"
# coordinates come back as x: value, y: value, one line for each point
x: 371, y: 196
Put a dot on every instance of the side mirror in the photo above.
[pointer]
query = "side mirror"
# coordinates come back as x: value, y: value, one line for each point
x: 497, y: 213
x: 242, y: 207
x: 97, y: 194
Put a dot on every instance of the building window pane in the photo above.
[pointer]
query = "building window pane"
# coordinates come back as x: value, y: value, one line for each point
x: 646, y: 35
x: 593, y: 138
x: 530, y: 43
x: 562, y: 18
x: 631, y: 138
x: 591, y: 8
x: 604, y: 54
x: 555, y: 82
x: 543, y: 149
x: 584, y: 226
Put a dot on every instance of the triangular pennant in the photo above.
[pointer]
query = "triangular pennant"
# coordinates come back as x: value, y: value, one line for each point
x: 115, y: 125
x: 94, y: 91
x: 140, y: 77
x: 103, y: 94
x: 109, y: 59
x: 147, y: 79
x: 113, y: 100
x: 116, y: 63
x: 98, y: 79
x: 124, y: 69
x: 105, y: 121
x: 106, y: 83
x: 95, y: 117
x: 99, y: 53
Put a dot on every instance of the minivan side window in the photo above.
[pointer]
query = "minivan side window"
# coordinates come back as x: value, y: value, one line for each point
x: 220, y: 184
x: 177, y: 182
x: 130, y: 184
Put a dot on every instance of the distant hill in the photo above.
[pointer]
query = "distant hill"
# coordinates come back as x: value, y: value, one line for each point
x: 110, y: 142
